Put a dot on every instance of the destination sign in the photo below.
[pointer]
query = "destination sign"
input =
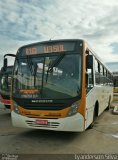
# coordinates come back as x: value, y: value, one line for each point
x: 53, y: 47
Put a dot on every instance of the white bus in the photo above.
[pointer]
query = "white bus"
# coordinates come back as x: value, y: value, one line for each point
x: 59, y: 85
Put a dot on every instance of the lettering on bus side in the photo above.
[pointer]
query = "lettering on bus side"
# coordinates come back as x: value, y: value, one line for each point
x: 54, y: 48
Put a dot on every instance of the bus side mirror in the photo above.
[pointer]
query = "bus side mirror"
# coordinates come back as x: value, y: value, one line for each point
x: 5, y: 64
x: 86, y: 80
x: 89, y: 61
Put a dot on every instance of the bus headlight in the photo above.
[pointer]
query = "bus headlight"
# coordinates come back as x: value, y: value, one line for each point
x: 73, y: 108
x: 15, y: 107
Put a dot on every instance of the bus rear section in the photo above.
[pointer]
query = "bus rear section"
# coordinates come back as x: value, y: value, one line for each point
x: 51, y: 88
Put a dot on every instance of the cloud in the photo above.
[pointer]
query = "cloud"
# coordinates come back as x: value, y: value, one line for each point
x: 113, y: 66
x: 29, y: 21
x: 114, y: 48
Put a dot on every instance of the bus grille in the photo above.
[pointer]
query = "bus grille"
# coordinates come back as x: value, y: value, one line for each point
x: 49, y: 125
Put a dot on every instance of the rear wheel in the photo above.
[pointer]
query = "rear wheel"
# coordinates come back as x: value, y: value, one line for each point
x: 109, y: 104
x: 94, y: 117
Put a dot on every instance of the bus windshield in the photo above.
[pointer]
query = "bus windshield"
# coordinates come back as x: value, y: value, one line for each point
x: 47, y: 76
x: 5, y: 83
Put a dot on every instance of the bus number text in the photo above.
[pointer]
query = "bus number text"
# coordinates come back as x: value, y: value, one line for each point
x: 55, y: 48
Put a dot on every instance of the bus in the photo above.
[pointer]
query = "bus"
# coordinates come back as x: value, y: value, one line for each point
x: 5, y: 83
x: 115, y: 91
x: 59, y: 85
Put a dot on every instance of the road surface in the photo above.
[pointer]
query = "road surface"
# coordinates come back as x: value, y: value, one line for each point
x: 102, y: 139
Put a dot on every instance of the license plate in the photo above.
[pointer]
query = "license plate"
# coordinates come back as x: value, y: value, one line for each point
x: 40, y: 121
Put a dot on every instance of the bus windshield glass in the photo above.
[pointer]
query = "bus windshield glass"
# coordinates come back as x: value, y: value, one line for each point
x: 5, y: 83
x: 48, y: 76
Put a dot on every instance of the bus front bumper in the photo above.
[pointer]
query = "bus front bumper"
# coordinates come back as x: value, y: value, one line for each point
x: 4, y: 101
x: 73, y: 123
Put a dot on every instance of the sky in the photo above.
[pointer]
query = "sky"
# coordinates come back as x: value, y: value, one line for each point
x: 28, y: 21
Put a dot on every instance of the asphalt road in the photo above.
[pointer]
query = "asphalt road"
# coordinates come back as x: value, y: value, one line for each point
x: 103, y: 138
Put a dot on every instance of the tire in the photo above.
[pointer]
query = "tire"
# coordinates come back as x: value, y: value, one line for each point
x: 94, y: 117
x: 108, y: 107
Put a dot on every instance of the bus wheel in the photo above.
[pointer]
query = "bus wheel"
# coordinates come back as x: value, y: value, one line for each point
x: 94, y: 117
x: 108, y: 107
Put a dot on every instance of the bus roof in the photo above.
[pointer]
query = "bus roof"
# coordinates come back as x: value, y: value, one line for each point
x: 50, y: 41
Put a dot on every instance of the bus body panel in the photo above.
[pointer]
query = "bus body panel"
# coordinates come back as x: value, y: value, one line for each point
x: 82, y: 109
x: 74, y: 123
x: 100, y: 94
x: 5, y: 101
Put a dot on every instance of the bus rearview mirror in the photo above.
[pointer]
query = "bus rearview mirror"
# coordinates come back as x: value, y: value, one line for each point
x: 86, y: 79
x: 89, y: 61
x: 5, y: 63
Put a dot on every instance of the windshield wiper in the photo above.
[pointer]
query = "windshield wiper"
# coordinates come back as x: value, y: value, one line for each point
x: 32, y: 68
x: 30, y: 65
x: 55, y: 63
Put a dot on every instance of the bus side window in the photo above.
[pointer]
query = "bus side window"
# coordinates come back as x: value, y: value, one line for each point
x: 89, y: 78
x: 97, y: 72
x: 89, y: 72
